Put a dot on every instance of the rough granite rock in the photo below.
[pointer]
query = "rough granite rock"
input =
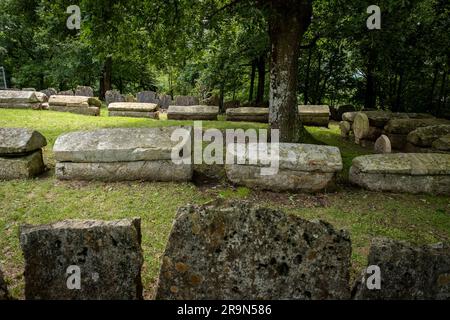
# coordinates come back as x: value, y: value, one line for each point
x: 248, y: 114
x: 21, y: 167
x: 108, y: 254
x: 408, y: 272
x: 403, y: 172
x: 74, y: 101
x: 425, y: 136
x: 239, y: 252
x: 301, y: 167
x: 66, y: 93
x: 192, y: 113
x: 186, y: 101
x: 18, y: 97
x: 4, y: 295
x: 113, y: 96
x: 443, y: 143
x: 119, y: 145
x: 346, y: 128
x: 383, y: 145
x: 133, y: 107
x: 20, y: 141
x: 84, y: 91
x: 50, y: 92
x: 164, y: 101
x: 158, y: 170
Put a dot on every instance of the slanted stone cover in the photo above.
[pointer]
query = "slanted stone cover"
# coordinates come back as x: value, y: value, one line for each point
x: 239, y: 251
x: 133, y: 110
x: 403, y: 172
x: 407, y: 272
x: 11, y: 99
x: 108, y: 255
x: 21, y: 153
x: 248, y: 114
x: 315, y: 115
x: 123, y: 154
x: 192, y: 113
x: 302, y: 167
x: 75, y: 104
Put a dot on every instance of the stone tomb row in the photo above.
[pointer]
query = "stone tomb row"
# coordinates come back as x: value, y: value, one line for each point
x: 230, y: 251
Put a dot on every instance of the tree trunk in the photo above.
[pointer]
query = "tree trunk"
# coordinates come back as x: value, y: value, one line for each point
x: 261, y: 65
x: 288, y: 21
x: 252, y: 81
x: 222, y: 97
x: 308, y: 71
x: 370, y: 99
x: 398, y: 100
x: 106, y: 77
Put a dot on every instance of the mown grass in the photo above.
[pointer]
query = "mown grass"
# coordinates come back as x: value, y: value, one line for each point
x: 417, y: 219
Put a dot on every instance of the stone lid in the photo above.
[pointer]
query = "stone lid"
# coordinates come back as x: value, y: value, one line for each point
x: 120, y: 145
x: 20, y: 141
x: 416, y: 164
x: 193, y: 110
x: 299, y: 157
x: 9, y: 96
x: 73, y: 101
x: 133, y: 106
x: 314, y: 110
x: 248, y: 111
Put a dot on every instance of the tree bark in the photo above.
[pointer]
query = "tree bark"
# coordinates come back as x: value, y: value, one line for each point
x: 106, y: 77
x: 370, y: 99
x: 252, y: 81
x: 288, y: 21
x: 308, y: 71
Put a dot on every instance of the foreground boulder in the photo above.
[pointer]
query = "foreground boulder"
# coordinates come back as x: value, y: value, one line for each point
x: 75, y: 104
x: 192, y: 113
x: 3, y: 288
x: 107, y: 255
x: 403, y: 172
x: 301, y: 167
x: 11, y: 99
x: 317, y: 116
x: 21, y: 153
x: 248, y: 114
x: 133, y: 110
x: 242, y: 252
x: 122, y: 155
x: 407, y: 272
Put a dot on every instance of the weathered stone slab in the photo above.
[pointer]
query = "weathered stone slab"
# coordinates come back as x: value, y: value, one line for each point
x: 84, y: 91
x: 50, y: 92
x: 301, y: 167
x: 405, y: 126
x: 34, y: 106
x: 147, y: 97
x: 158, y: 170
x: 4, y: 295
x: 20, y: 141
x: 311, y: 110
x: 87, y: 111
x: 21, y: 167
x: 401, y: 172
x: 133, y: 107
x: 408, y: 272
x: 28, y: 89
x: 425, y: 136
x: 108, y: 255
x: 192, y: 113
x: 74, y: 101
x: 66, y: 93
x: 186, y: 101
x: 113, y: 96
x: 442, y: 144
x: 240, y: 252
x: 248, y: 114
x: 164, y: 101
x: 18, y: 97
x: 119, y: 145
x: 383, y: 145
x: 134, y: 114
x: 42, y: 97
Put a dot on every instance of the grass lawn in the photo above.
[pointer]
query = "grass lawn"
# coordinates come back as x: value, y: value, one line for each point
x: 417, y: 219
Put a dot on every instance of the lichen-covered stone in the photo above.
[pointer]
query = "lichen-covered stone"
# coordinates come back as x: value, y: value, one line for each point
x: 406, y: 126
x: 192, y: 113
x: 113, y: 96
x: 407, y: 272
x: 248, y: 114
x: 443, y: 143
x: 301, y: 167
x: 383, y: 145
x: 20, y: 141
x: 318, y: 116
x: 133, y: 107
x: 425, y: 136
x: 119, y: 145
x: 21, y: 167
x: 147, y: 97
x: 134, y: 114
x: 401, y: 172
x: 186, y: 101
x: 84, y: 91
x: 250, y: 253
x: 108, y: 255
x: 158, y: 170
x: 4, y: 295
x: 18, y: 97
x: 86, y: 111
